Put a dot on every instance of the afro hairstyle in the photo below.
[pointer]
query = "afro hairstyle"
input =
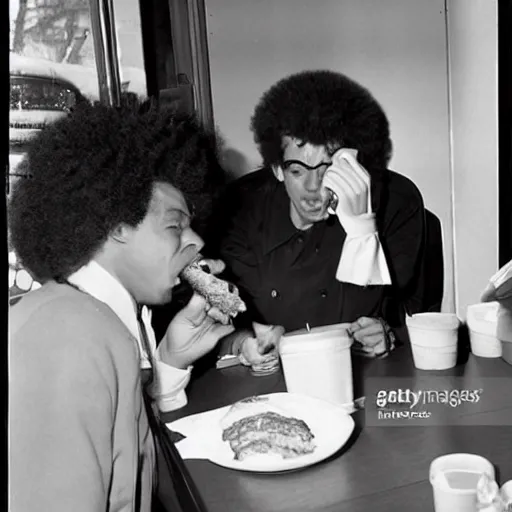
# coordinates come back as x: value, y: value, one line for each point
x: 94, y: 169
x: 322, y: 108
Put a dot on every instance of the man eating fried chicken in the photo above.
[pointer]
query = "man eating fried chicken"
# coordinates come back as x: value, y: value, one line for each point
x: 103, y: 220
x: 324, y: 233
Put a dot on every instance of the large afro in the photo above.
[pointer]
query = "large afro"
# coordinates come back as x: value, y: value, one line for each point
x: 94, y: 169
x: 322, y: 108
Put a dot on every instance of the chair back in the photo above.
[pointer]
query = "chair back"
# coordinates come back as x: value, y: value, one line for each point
x: 428, y: 295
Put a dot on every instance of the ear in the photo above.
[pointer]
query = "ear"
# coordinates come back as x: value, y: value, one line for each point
x: 278, y: 172
x: 121, y: 233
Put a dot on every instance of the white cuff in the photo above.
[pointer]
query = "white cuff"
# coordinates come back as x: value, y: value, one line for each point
x: 362, y: 261
x: 169, y: 384
x: 361, y: 225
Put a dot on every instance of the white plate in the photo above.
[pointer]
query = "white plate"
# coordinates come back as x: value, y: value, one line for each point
x: 331, y: 425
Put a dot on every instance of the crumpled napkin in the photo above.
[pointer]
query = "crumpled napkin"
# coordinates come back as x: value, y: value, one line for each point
x: 489, y: 496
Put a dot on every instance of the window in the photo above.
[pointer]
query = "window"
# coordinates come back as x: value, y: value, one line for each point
x: 52, y: 67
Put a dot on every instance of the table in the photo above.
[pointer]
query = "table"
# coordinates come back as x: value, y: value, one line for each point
x: 382, y: 467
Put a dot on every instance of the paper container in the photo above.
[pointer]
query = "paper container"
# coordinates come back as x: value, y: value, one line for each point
x: 433, y: 338
x: 482, y: 324
x: 449, y: 498
x: 506, y: 493
x: 318, y: 363
x: 434, y: 358
x: 506, y: 351
x: 483, y: 345
x: 504, y: 333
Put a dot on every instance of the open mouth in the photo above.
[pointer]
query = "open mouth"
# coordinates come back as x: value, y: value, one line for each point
x: 313, y: 205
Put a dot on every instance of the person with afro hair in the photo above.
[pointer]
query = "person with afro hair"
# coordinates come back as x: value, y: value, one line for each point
x: 103, y: 220
x: 324, y: 233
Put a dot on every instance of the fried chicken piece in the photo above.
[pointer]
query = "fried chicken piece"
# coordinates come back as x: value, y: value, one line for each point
x: 269, y: 433
x: 220, y: 294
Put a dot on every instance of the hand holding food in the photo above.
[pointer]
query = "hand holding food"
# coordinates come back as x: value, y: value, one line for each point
x: 223, y: 297
x: 191, y: 334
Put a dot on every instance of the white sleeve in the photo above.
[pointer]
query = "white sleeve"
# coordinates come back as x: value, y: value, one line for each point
x: 362, y: 259
x: 169, y: 383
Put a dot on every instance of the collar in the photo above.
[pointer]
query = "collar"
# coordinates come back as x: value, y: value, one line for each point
x: 102, y: 285
x: 279, y: 228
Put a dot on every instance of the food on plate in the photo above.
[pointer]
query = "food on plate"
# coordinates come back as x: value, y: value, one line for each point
x: 248, y: 407
x: 220, y: 294
x: 254, y: 426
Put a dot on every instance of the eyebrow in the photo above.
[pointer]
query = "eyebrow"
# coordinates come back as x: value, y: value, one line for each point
x: 287, y: 163
x: 176, y: 212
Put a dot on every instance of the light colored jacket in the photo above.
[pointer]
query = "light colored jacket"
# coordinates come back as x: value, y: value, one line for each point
x: 78, y: 433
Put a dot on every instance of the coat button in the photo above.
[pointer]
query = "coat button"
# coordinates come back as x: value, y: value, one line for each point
x: 274, y: 294
x: 300, y: 239
x: 323, y: 293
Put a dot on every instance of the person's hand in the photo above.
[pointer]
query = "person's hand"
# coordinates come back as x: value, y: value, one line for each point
x: 500, y: 287
x: 263, y: 346
x: 350, y: 182
x: 372, y: 337
x: 191, y: 334
x: 215, y: 267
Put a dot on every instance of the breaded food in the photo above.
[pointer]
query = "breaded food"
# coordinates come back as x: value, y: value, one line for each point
x: 220, y: 294
x: 254, y: 426
x: 269, y: 433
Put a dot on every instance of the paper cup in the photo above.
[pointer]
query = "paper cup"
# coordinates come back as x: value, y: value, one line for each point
x: 454, y: 478
x: 318, y: 363
x: 483, y: 345
x: 434, y: 358
x: 506, y: 351
x: 433, y: 338
x: 482, y: 324
x: 506, y: 493
x: 504, y: 333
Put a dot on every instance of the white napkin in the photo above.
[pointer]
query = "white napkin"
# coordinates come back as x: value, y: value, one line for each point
x: 197, y: 429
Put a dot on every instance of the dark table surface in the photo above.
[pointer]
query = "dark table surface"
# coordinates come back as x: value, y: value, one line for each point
x: 385, y: 465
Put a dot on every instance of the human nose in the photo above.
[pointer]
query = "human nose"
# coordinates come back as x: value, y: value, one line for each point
x: 191, y: 238
x: 313, y: 180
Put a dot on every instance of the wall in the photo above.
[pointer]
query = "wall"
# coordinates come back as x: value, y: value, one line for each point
x: 398, y: 49
x: 473, y: 101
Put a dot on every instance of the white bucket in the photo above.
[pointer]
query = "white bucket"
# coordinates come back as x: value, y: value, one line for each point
x: 318, y: 363
x: 504, y: 333
x: 450, y: 497
x: 433, y: 338
x: 482, y: 320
